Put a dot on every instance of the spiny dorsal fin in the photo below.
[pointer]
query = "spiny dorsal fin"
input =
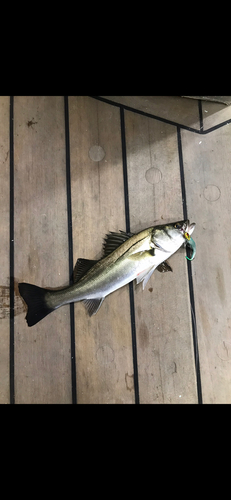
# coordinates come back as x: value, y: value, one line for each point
x: 164, y: 267
x: 81, y: 268
x: 113, y: 240
x: 93, y: 305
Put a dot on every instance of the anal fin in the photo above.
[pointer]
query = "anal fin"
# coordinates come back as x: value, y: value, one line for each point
x: 93, y: 305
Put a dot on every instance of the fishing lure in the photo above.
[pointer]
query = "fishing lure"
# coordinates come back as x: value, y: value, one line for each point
x: 191, y: 244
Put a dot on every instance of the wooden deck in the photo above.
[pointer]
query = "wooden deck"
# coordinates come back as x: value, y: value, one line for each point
x: 71, y: 171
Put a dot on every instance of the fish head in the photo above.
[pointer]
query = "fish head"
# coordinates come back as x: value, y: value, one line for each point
x: 170, y: 237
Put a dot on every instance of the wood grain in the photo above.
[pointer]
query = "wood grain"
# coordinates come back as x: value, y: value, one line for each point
x: 208, y: 179
x: 4, y: 249
x: 103, y: 342
x: 214, y: 113
x: 163, y: 317
x: 174, y: 108
x: 42, y: 353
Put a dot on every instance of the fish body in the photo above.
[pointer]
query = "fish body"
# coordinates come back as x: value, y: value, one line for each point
x: 127, y: 256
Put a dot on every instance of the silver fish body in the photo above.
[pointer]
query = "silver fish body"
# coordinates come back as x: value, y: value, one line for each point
x: 127, y: 257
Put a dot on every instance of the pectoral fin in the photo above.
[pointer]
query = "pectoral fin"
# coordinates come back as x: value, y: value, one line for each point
x: 144, y: 276
x: 164, y: 267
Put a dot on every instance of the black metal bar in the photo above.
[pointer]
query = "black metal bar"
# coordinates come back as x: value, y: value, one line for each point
x: 70, y: 246
x: 144, y: 113
x: 215, y: 127
x: 190, y: 278
x: 200, y: 115
x: 131, y: 291
x: 165, y: 120
x: 12, y: 387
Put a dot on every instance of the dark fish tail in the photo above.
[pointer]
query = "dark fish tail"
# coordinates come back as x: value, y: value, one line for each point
x: 35, y: 298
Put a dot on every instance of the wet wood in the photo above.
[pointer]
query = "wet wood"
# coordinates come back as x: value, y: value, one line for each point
x: 103, y: 342
x: 208, y: 179
x: 42, y: 353
x: 163, y: 316
x: 4, y: 250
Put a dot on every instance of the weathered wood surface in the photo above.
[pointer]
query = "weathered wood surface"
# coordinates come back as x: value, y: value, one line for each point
x: 42, y: 353
x: 208, y: 178
x: 173, y: 108
x: 103, y: 343
x: 214, y: 113
x: 4, y: 250
x: 223, y: 99
x: 163, y: 317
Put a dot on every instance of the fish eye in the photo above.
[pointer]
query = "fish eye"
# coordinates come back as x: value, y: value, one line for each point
x: 177, y: 226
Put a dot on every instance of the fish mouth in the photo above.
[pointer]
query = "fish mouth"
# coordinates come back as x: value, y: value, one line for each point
x: 187, y: 227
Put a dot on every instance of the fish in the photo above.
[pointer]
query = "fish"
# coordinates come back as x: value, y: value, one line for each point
x: 127, y: 256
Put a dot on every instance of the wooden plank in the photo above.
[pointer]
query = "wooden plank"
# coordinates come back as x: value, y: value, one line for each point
x: 174, y: 108
x: 4, y: 249
x: 208, y: 179
x: 223, y: 99
x: 215, y: 113
x: 103, y: 342
x: 162, y: 310
x: 42, y: 353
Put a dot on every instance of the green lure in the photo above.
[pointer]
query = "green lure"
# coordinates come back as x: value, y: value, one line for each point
x: 191, y: 244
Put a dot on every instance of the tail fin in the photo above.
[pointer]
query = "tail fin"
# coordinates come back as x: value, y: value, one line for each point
x: 35, y: 298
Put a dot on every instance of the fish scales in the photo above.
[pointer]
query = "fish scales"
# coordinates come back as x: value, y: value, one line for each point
x: 105, y: 277
x: 127, y: 257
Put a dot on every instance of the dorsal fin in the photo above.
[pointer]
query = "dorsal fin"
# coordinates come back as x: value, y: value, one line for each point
x: 81, y: 268
x: 113, y: 240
